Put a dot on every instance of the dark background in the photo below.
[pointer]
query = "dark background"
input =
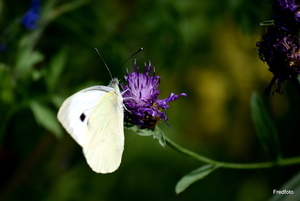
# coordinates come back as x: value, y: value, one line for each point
x: 202, y: 48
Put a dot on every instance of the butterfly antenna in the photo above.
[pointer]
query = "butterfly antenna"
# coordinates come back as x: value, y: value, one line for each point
x: 132, y: 55
x: 104, y: 62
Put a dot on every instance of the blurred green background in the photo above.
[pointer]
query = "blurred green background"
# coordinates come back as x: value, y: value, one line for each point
x: 203, y: 48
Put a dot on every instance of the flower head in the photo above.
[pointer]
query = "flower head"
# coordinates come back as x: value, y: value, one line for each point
x: 144, y: 108
x: 31, y: 16
x: 287, y: 14
x: 282, y: 54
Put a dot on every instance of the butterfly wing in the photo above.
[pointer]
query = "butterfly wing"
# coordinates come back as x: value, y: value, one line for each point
x: 104, y: 139
x: 75, y: 110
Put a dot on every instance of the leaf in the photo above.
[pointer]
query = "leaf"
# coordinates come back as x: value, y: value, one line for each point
x: 37, y: 74
x: 194, y: 176
x: 56, y: 67
x: 26, y: 57
x: 46, y: 118
x: 156, y: 133
x: 265, y: 127
x: 25, y: 62
x: 292, y: 186
x: 6, y: 85
x: 57, y: 100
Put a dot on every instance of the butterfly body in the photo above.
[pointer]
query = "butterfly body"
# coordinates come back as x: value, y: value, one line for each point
x: 94, y: 118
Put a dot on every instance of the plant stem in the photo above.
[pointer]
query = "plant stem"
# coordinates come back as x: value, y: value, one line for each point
x: 280, y: 162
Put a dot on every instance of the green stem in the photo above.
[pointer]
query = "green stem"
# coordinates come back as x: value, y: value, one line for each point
x: 51, y: 13
x: 281, y: 162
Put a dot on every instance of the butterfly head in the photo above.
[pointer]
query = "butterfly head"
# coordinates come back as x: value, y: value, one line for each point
x: 113, y: 82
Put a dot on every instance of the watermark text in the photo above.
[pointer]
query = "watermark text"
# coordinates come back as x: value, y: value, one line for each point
x: 286, y: 192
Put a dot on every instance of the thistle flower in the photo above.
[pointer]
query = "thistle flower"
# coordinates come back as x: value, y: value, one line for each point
x: 144, y: 108
x: 32, y: 15
x: 281, y: 52
x: 287, y: 14
x: 280, y: 45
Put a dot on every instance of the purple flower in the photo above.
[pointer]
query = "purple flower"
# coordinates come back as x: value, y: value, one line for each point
x: 281, y: 52
x: 287, y: 15
x: 32, y: 15
x: 141, y: 98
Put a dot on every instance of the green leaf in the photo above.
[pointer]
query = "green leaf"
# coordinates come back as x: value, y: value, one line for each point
x: 25, y: 62
x: 265, y: 127
x: 37, y: 74
x: 56, y: 67
x: 46, y: 118
x: 292, y: 185
x: 6, y: 85
x: 57, y: 100
x: 194, y: 176
x: 156, y: 133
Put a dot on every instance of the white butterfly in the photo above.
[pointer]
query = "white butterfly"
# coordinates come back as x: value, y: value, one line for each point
x: 94, y: 118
